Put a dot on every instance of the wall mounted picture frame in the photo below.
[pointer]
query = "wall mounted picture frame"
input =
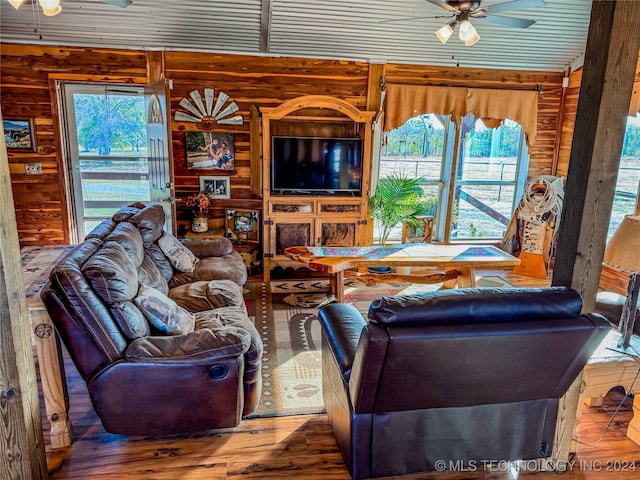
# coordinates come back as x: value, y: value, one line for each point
x: 242, y: 226
x: 210, y: 151
x: 216, y: 187
x: 20, y: 134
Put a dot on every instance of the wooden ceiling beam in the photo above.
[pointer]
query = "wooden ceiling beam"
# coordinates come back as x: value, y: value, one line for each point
x: 265, y: 26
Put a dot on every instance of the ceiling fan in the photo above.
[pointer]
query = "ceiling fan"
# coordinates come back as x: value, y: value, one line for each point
x: 53, y: 7
x: 464, y: 10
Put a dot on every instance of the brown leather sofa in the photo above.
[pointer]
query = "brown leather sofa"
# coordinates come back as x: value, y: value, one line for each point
x: 162, y: 350
x: 452, y: 379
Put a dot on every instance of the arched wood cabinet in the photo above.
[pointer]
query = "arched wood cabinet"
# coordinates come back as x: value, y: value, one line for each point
x: 312, y: 218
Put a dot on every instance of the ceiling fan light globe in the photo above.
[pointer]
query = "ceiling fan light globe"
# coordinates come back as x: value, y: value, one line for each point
x: 50, y: 7
x: 467, y: 31
x: 50, y: 12
x: 444, y: 33
x: 16, y: 3
x: 473, y: 40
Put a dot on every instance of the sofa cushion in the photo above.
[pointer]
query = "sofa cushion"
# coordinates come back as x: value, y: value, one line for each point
x: 178, y: 255
x: 114, y: 278
x: 159, y: 258
x: 150, y: 222
x: 232, y: 317
x: 203, y: 295
x: 230, y: 267
x: 163, y: 313
x: 112, y: 274
x: 149, y: 274
x: 210, y: 247
x: 128, y: 237
x: 479, y: 305
x: 205, y: 344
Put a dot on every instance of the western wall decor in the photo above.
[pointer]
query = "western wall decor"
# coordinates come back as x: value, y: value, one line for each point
x: 210, y: 151
x: 216, y: 187
x: 19, y: 134
x: 243, y: 225
x: 209, y: 112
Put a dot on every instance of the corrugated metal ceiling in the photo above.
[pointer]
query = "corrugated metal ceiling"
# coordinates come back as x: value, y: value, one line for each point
x: 369, y: 30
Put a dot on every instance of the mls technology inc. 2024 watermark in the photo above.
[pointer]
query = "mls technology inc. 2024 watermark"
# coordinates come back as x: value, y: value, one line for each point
x: 537, y: 465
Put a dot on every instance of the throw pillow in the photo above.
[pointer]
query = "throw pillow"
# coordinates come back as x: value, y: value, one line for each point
x: 178, y: 255
x: 205, y: 295
x: 163, y: 313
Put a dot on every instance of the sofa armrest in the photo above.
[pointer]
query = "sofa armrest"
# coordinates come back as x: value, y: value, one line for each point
x: 210, y: 247
x: 204, y: 344
x: 342, y: 326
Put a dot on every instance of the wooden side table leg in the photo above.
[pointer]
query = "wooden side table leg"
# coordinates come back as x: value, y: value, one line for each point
x: 633, y: 432
x: 54, y: 384
x: 336, y: 281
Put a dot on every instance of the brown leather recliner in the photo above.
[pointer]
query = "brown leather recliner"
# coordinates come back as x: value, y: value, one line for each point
x: 461, y: 377
x: 143, y: 380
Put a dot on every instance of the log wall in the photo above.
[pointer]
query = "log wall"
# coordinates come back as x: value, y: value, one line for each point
x: 28, y: 74
x: 249, y: 80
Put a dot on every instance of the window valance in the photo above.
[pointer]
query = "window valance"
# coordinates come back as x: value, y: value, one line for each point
x: 403, y: 102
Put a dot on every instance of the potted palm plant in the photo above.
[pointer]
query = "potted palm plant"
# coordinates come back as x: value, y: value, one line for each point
x: 399, y: 198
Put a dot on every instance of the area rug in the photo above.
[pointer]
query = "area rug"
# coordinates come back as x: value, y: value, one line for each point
x: 291, y: 369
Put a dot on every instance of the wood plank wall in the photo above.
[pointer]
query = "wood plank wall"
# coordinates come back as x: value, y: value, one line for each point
x: 249, y: 80
x: 27, y: 91
x: 28, y: 73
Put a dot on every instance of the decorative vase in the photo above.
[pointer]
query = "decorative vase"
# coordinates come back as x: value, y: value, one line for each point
x: 200, y: 224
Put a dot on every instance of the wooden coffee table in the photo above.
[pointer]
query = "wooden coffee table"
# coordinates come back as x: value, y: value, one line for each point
x: 447, y: 261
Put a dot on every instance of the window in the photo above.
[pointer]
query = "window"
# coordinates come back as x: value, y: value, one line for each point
x: 626, y: 196
x: 477, y: 191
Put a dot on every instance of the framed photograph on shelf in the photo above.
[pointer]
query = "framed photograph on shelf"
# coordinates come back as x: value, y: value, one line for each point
x: 243, y: 225
x: 216, y: 187
x: 210, y: 151
x: 20, y: 134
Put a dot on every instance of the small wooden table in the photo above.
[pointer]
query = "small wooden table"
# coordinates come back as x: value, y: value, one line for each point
x: 461, y: 259
x: 36, y: 266
x: 609, y: 367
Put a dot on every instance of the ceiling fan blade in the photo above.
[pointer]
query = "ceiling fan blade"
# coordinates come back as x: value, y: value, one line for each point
x: 405, y: 19
x: 118, y: 3
x: 444, y: 5
x: 507, y: 21
x: 513, y: 5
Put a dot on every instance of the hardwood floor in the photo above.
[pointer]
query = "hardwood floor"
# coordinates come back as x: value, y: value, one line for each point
x: 301, y: 447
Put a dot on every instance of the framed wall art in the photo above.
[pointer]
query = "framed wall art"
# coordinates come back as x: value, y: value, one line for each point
x: 210, y: 151
x: 243, y: 225
x: 216, y: 187
x: 20, y: 134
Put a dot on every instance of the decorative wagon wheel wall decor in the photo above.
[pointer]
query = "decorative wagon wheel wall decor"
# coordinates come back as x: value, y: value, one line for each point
x: 209, y: 113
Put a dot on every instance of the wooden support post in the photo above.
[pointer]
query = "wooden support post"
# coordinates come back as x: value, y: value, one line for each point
x: 607, y: 82
x: 23, y: 453
x: 605, y: 93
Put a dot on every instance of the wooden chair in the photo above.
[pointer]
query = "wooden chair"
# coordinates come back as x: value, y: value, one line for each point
x: 421, y: 234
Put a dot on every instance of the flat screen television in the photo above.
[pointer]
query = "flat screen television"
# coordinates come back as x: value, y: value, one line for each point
x: 318, y: 166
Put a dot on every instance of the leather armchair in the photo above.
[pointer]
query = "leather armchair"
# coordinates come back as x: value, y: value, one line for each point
x: 459, y: 376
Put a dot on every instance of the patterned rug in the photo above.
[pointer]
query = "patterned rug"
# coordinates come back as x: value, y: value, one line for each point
x: 291, y: 369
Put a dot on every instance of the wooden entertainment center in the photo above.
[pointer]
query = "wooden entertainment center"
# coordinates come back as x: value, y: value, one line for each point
x: 309, y: 219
